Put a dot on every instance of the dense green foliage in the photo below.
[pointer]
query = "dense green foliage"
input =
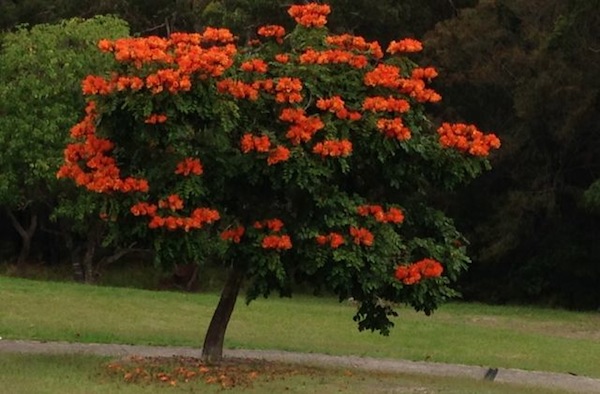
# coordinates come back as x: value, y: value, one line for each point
x: 527, y: 70
x: 40, y: 73
x: 532, y: 72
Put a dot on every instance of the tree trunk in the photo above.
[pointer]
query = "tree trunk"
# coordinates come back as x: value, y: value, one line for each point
x: 94, y: 236
x: 212, y: 350
x: 26, y: 236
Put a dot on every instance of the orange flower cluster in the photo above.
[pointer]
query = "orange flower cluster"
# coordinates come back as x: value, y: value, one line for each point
x: 362, y: 236
x: 303, y: 127
x: 278, y: 242
x: 138, y: 51
x: 383, y: 104
x: 103, y: 175
x: 282, y: 58
x: 423, y: 269
x: 233, y: 234
x: 251, y: 143
x: 356, y: 43
x: 383, y: 75
x: 189, y: 166
x: 272, y: 31
x: 173, y: 202
x: 156, y: 118
x: 406, y: 45
x: 211, y: 62
x: 388, y: 76
x: 182, y: 52
x: 394, y: 128
x: 336, y: 105
x: 88, y: 125
x: 333, y: 148
x: 238, y: 89
x: 198, y: 218
x: 213, y: 35
x: 333, y: 56
x: 288, y: 90
x: 123, y: 83
x: 335, y: 240
x: 262, y: 144
x: 274, y: 225
x: 467, y: 138
x: 144, y: 209
x: 96, y: 85
x: 255, y: 65
x: 172, y: 80
x: 278, y: 154
x: 416, y: 89
x: 310, y: 15
x: 424, y: 73
x: 393, y: 215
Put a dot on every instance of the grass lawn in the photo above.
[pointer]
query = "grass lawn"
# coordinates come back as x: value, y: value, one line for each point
x: 73, y: 374
x: 517, y: 337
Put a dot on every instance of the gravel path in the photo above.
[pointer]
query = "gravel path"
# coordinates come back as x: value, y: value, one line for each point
x: 571, y: 383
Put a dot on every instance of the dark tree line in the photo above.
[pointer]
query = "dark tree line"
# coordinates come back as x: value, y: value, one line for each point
x: 528, y: 70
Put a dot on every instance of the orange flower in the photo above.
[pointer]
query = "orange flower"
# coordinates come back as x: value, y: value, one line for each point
x: 105, y: 45
x: 217, y: 35
x: 310, y: 15
x: 96, y: 85
x: 334, y: 104
x: 143, y: 209
x: 288, y: 90
x: 333, y: 148
x: 333, y: 56
x: 394, y: 128
x: 238, y: 89
x: 467, y: 138
x: 279, y: 242
x: 274, y: 225
x: 406, y: 45
x: 409, y: 275
x: 173, y: 202
x: 382, y: 104
x: 350, y: 42
x: 361, y: 236
x: 424, y: 73
x: 422, y: 269
x: 189, y: 166
x: 383, y: 75
x: 250, y: 142
x: 279, y: 154
x: 233, y: 234
x: 303, y: 127
x: 335, y: 240
x: 430, y: 268
x: 272, y: 31
x: 282, y: 58
x: 156, y: 118
x: 394, y: 215
x: 262, y: 143
x: 254, y: 65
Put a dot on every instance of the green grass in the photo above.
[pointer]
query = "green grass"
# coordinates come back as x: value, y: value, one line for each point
x: 517, y: 337
x: 73, y: 374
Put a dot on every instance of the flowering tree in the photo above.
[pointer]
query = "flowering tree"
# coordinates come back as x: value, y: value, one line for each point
x: 302, y: 156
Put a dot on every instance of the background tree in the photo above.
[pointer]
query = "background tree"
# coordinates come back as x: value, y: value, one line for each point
x: 40, y: 73
x: 531, y: 70
x: 301, y: 154
x: 144, y: 16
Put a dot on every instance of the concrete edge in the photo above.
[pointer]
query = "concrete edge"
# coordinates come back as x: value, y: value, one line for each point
x: 564, y: 381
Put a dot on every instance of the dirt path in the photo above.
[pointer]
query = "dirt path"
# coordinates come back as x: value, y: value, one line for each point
x: 571, y: 383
